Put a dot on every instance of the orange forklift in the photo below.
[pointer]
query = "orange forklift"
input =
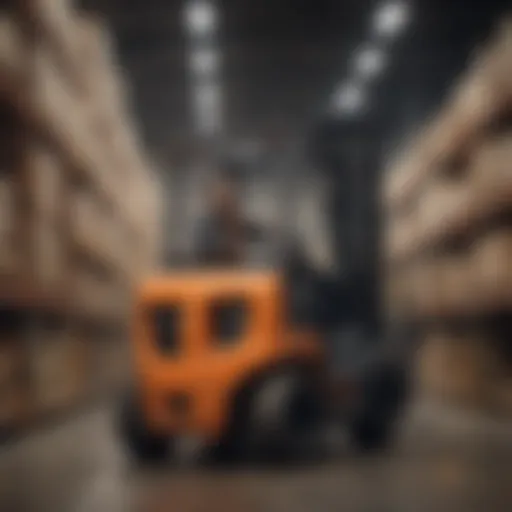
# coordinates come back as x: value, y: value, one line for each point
x: 237, y: 358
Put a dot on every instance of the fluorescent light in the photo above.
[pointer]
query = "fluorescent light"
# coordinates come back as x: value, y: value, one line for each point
x: 349, y: 99
x: 369, y: 62
x: 204, y: 61
x: 207, y: 94
x: 207, y: 107
x: 200, y: 17
x: 391, y: 18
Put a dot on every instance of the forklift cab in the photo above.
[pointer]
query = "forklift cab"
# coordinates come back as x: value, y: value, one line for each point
x: 200, y: 337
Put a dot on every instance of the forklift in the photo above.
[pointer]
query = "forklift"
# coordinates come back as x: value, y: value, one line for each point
x: 255, y: 362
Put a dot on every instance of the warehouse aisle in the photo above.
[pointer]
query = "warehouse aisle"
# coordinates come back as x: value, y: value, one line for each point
x: 443, y: 462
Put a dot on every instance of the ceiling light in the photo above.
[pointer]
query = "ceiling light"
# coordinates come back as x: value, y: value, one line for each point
x: 200, y: 17
x: 207, y: 100
x: 369, y: 62
x: 391, y: 18
x: 349, y: 99
x: 204, y: 62
x: 207, y: 95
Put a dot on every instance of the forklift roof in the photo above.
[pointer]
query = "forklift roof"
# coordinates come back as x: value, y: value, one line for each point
x: 208, y: 282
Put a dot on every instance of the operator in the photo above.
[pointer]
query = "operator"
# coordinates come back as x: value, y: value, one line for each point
x: 224, y: 235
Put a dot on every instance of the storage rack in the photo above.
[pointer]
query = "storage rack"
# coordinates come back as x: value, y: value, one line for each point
x: 447, y: 202
x: 79, y: 212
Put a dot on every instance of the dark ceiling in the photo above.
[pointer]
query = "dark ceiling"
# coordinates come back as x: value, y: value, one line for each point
x: 281, y: 60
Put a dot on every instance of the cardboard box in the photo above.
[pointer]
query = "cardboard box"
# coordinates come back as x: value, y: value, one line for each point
x: 399, y: 295
x: 493, y: 268
x: 45, y: 177
x: 426, y: 289
x: 48, y: 255
x: 444, y: 208
x: 11, y: 360
x: 457, y: 284
x: 12, y: 56
x: 402, y: 238
x: 68, y: 119
x: 57, y: 22
x: 96, y: 297
x: 96, y: 56
x: 432, y: 366
x: 502, y: 397
x: 461, y: 368
x: 15, y: 406
x: 91, y: 227
x: 58, y: 369
x: 51, y: 97
x: 112, y: 363
x: 85, y: 292
x: 472, y: 108
x: 492, y: 179
x: 498, y: 61
x: 8, y: 218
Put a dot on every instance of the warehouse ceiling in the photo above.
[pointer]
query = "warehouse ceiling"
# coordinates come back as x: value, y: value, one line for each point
x: 281, y: 63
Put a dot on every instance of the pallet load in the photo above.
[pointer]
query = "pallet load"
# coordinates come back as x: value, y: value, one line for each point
x: 79, y: 208
x: 448, y: 208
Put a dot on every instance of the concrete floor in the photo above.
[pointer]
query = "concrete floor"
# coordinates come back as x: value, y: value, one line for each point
x: 443, y: 461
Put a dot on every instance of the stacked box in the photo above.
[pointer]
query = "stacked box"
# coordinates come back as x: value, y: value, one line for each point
x: 79, y: 221
x: 455, y: 187
x: 58, y: 368
x: 12, y: 57
x: 459, y: 368
x: 14, y: 395
x: 8, y: 250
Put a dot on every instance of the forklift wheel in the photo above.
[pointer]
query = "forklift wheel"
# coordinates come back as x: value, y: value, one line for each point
x: 283, y: 416
x: 370, y: 435
x: 142, y: 446
x: 384, y: 396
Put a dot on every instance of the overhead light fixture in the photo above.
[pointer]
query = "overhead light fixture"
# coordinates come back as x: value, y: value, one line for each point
x: 349, y: 99
x: 207, y: 94
x: 207, y: 106
x: 391, y: 18
x: 200, y: 17
x: 204, y: 61
x: 369, y: 62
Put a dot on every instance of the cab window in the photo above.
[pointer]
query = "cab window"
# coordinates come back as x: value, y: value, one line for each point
x: 165, y: 322
x: 228, y: 321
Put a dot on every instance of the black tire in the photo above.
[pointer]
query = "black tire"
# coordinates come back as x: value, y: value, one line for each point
x: 384, y: 397
x: 283, y: 415
x: 142, y: 446
x: 371, y: 434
